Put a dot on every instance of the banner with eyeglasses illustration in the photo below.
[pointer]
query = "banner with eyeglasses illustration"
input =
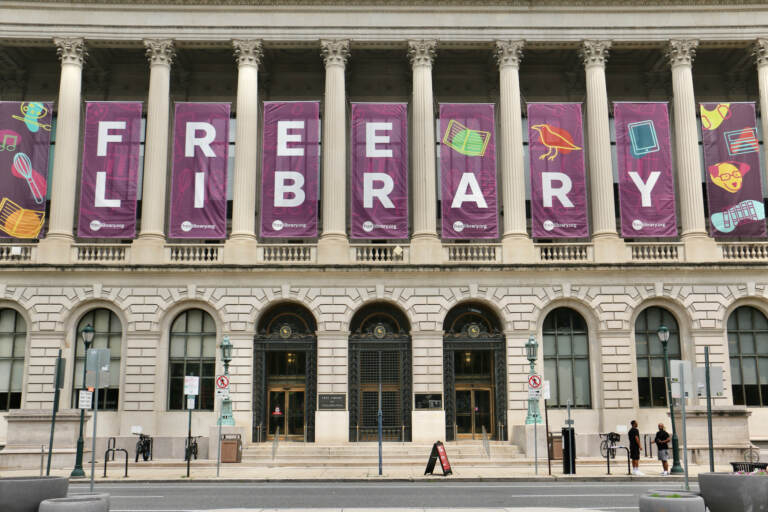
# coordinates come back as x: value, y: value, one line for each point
x: 732, y: 169
x: 25, y: 141
x: 379, y: 173
x: 290, y: 169
x: 468, y: 171
x: 646, y: 184
x: 199, y: 171
x: 558, y: 182
x: 110, y: 177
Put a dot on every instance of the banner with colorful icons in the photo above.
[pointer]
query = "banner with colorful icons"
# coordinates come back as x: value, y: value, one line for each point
x: 646, y: 184
x: 468, y: 171
x: 558, y: 182
x: 379, y: 180
x: 732, y: 165
x: 290, y: 169
x: 110, y: 170
x: 199, y: 171
x: 25, y: 141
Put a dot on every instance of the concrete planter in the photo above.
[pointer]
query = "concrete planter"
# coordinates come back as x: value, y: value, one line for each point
x: 671, y: 501
x: 730, y: 492
x: 24, y: 494
x: 75, y: 504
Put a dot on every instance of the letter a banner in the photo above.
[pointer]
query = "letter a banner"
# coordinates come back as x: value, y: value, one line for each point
x: 110, y: 170
x: 199, y: 182
x: 646, y: 184
x: 290, y: 169
x: 379, y: 149
x: 558, y: 187
x: 732, y: 170
x: 25, y: 139
x: 468, y: 171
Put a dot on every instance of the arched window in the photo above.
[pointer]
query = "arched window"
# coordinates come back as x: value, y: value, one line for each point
x: 192, y: 352
x: 13, y: 340
x: 748, y: 348
x: 107, y: 333
x: 651, y: 390
x: 566, y: 358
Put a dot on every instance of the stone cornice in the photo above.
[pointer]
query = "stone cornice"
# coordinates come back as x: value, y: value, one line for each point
x: 682, y: 51
x: 509, y: 53
x: 335, y: 52
x: 160, y: 51
x: 422, y: 52
x: 594, y: 53
x: 760, y: 51
x: 71, y: 50
x: 248, y: 52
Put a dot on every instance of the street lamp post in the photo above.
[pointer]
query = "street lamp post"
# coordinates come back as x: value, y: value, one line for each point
x: 663, y: 334
x: 226, y: 404
x: 531, y: 347
x: 87, y: 335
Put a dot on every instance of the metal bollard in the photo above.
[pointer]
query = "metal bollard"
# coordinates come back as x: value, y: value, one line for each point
x: 42, y: 458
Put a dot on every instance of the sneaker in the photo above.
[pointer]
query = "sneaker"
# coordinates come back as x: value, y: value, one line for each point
x: 638, y: 473
x: 665, y: 473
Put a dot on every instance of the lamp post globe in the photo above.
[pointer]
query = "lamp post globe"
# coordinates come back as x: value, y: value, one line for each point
x: 86, y: 334
x: 531, y: 349
x: 226, y: 405
x: 663, y: 333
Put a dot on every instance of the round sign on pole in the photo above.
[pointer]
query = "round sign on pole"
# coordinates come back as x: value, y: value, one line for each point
x: 222, y: 382
x: 534, y: 381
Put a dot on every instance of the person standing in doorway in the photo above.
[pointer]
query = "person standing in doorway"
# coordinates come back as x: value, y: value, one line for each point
x: 662, y: 446
x: 634, y: 448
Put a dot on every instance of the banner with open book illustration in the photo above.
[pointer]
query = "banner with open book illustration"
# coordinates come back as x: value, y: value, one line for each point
x: 25, y: 138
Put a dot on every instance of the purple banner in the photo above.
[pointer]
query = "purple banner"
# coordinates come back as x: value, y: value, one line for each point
x: 290, y: 169
x: 646, y: 184
x: 110, y: 170
x: 379, y: 181
x: 732, y: 170
x: 25, y: 141
x: 199, y: 182
x: 468, y: 171
x: 558, y: 188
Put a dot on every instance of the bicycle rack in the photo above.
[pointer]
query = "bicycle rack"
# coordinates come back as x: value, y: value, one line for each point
x: 113, y: 450
x: 111, y: 445
x: 608, y: 458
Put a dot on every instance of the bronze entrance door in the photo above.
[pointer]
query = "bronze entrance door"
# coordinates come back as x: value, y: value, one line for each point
x: 285, y: 409
x: 474, y: 410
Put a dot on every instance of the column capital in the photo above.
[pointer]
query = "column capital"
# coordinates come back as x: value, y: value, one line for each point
x: 682, y: 51
x: 594, y: 52
x: 160, y: 51
x: 760, y: 51
x: 335, y: 52
x: 422, y: 52
x: 509, y: 53
x: 248, y: 52
x: 71, y: 50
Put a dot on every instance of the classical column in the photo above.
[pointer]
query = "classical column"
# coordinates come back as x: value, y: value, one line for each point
x: 148, y: 248
x: 698, y: 246
x: 608, y: 246
x: 517, y: 245
x: 55, y: 247
x: 333, y: 246
x: 425, y: 245
x: 761, y: 54
x: 241, y: 247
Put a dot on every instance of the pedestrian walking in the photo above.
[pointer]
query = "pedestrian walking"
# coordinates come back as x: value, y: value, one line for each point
x: 662, y: 446
x: 634, y: 448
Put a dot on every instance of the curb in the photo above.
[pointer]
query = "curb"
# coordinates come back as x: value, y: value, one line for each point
x: 384, y: 480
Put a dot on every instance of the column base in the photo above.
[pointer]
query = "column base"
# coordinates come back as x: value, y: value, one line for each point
x: 148, y: 251
x: 609, y: 248
x: 700, y: 248
x: 55, y: 250
x: 426, y: 250
x: 332, y: 427
x: 241, y: 251
x: 518, y: 249
x: 333, y: 250
x: 523, y: 437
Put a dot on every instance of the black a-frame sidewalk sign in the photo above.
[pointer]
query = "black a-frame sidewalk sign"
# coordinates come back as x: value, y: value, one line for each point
x: 438, y: 451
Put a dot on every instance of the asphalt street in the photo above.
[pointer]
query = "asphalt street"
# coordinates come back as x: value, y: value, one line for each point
x: 194, y: 496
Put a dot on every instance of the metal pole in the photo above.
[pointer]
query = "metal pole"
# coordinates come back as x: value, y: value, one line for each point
x: 42, y: 458
x: 78, y: 469
x: 549, y: 452
x: 676, y: 467
x: 535, y: 443
x: 95, y: 419
x: 571, y: 442
x: 683, y: 399
x: 218, y: 447
x: 189, y: 437
x: 380, y: 416
x: 56, y: 379
x: 709, y: 411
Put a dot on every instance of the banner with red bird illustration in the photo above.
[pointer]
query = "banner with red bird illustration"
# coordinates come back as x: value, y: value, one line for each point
x: 558, y: 182
x: 732, y: 165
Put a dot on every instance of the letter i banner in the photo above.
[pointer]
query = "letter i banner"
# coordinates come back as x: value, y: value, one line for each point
x: 290, y: 168
x: 646, y: 184
x: 732, y: 170
x: 468, y: 171
x: 110, y: 175
x: 199, y: 180
x: 558, y: 183
x: 379, y: 182
x: 25, y: 142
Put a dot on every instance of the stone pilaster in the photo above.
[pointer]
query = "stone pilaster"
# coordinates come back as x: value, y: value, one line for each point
x: 761, y: 56
x: 55, y: 248
x: 333, y: 246
x: 241, y: 246
x: 425, y: 244
x: 608, y: 246
x: 148, y: 248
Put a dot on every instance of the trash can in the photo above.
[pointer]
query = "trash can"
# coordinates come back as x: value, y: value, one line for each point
x: 569, y: 451
x: 231, y: 448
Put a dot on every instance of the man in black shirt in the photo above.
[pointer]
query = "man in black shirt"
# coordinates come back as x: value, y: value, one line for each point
x: 662, y: 445
x: 634, y: 448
